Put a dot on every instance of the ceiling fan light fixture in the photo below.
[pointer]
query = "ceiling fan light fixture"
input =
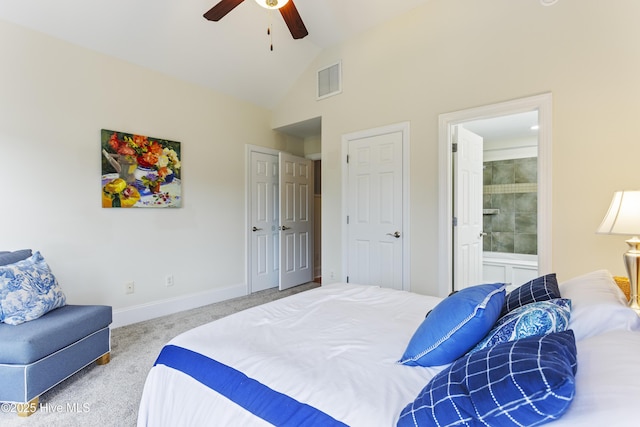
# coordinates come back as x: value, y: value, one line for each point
x: 272, y: 4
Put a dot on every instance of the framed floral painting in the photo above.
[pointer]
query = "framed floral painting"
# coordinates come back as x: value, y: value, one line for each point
x: 140, y: 171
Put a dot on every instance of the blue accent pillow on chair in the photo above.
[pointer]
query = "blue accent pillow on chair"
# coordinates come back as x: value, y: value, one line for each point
x: 519, y: 383
x: 28, y: 290
x: 542, y: 288
x: 455, y: 325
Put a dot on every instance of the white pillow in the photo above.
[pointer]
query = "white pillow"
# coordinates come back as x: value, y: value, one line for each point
x: 606, y: 380
x: 597, y: 305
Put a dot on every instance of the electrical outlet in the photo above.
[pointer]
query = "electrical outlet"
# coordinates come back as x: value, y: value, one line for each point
x: 168, y: 281
x: 129, y: 287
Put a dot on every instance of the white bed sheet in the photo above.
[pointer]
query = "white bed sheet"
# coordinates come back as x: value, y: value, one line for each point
x: 607, y: 382
x: 336, y: 348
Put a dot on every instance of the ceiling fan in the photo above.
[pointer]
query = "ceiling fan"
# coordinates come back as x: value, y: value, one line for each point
x: 287, y: 10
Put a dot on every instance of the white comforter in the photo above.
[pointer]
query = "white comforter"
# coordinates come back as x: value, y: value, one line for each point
x: 335, y: 348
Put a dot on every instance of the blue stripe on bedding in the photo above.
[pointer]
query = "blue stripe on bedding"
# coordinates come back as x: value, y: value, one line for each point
x: 270, y: 405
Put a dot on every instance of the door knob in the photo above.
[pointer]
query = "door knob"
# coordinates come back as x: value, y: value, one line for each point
x: 284, y: 227
x: 256, y: 229
x: 395, y: 234
x: 483, y: 234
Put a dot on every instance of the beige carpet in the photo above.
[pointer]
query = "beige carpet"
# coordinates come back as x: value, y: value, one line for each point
x: 108, y: 395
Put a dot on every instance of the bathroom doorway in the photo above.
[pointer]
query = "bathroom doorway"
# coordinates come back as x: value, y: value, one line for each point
x: 509, y: 218
x: 541, y: 105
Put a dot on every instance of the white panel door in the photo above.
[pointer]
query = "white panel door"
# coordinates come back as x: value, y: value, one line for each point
x: 296, y: 220
x: 467, y: 210
x: 264, y: 221
x: 375, y: 210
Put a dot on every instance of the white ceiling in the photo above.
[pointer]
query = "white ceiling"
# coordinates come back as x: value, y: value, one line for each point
x: 510, y: 127
x: 231, y: 56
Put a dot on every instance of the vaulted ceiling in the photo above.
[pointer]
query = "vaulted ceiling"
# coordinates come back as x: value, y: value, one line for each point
x: 231, y: 56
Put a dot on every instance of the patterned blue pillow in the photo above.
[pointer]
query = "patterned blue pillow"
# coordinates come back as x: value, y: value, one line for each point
x: 455, y: 325
x: 535, y: 319
x: 519, y: 383
x: 542, y: 288
x: 28, y: 290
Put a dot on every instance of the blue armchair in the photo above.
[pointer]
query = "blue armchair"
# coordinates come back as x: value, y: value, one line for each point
x: 38, y: 354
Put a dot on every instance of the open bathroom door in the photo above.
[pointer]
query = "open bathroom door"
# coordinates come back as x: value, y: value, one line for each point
x: 467, y: 208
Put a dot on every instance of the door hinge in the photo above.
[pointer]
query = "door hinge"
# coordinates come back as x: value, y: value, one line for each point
x: 347, y: 279
x: 347, y: 219
x: 454, y: 147
x: 455, y: 221
x: 347, y: 158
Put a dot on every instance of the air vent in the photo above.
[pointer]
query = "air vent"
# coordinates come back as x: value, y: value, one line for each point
x: 330, y: 80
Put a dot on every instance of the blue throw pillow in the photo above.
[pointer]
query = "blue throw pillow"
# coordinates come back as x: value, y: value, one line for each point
x: 535, y: 319
x: 15, y: 256
x: 455, y: 325
x: 28, y: 290
x: 519, y: 383
x: 542, y: 288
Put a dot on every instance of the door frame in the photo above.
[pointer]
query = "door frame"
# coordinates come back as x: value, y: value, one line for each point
x: 404, y: 128
x: 248, y: 204
x: 543, y: 104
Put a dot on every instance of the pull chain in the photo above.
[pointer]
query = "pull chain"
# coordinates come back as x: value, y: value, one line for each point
x: 269, y: 29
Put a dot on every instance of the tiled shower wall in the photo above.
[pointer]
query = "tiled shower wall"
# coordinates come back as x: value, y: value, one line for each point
x: 510, y: 203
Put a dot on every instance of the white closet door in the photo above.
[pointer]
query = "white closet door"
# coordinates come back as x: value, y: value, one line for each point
x: 296, y: 220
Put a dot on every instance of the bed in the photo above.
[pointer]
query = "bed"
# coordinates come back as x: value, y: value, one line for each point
x: 341, y: 355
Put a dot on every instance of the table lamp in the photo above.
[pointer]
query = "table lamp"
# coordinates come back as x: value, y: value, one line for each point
x: 623, y: 217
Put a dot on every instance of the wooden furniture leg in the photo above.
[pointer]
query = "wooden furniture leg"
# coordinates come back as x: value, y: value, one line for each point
x: 104, y: 359
x: 26, y: 409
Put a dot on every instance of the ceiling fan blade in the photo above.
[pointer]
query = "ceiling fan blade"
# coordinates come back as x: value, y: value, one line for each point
x: 218, y: 11
x: 293, y: 20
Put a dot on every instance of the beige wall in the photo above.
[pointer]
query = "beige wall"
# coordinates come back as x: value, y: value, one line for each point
x: 445, y: 56
x: 54, y: 99
x: 450, y: 55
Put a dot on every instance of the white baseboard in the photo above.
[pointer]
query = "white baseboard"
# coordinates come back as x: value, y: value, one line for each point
x: 148, y: 311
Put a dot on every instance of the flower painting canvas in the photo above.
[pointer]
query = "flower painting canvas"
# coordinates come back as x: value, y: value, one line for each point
x: 140, y: 171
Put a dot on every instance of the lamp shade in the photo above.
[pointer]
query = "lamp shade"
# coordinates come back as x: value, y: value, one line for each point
x: 623, y: 216
x: 272, y: 4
